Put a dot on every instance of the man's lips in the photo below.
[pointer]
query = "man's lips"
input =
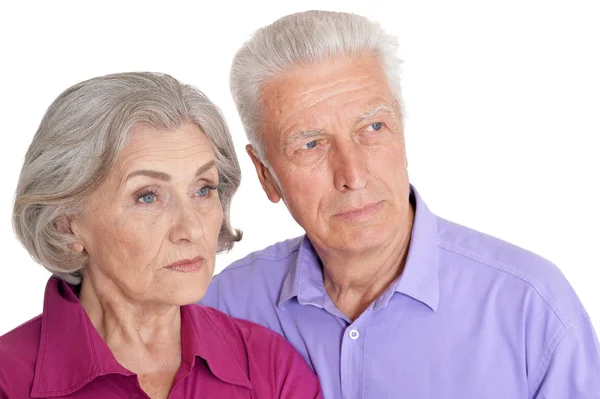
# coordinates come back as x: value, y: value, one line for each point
x: 187, y: 265
x: 364, y: 211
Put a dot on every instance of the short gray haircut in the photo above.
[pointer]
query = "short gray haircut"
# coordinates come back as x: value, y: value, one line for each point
x: 300, y: 39
x: 78, y: 142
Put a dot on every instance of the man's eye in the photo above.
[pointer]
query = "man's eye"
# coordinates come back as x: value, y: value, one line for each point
x: 310, y: 145
x: 375, y: 126
x: 147, y: 198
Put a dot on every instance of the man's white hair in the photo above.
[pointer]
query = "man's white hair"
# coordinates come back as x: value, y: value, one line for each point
x: 301, y: 39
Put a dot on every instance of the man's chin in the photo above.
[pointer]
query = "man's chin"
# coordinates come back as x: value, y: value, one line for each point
x: 360, y: 239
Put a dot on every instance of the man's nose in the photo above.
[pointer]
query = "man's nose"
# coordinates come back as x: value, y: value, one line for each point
x: 350, y: 167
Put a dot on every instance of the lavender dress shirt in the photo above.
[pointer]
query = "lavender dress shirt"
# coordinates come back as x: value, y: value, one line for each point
x: 59, y: 354
x: 470, y: 317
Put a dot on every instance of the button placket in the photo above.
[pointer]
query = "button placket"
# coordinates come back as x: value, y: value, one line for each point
x: 353, y: 357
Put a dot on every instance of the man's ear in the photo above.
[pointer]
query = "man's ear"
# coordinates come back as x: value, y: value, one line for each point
x: 267, y: 180
x: 65, y: 226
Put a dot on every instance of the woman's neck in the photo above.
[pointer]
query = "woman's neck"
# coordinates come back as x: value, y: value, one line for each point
x: 145, y: 338
x: 117, y: 316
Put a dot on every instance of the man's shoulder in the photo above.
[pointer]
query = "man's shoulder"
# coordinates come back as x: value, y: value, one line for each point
x: 232, y: 328
x: 501, y: 259
x: 275, y: 259
x: 256, y: 279
x: 491, y: 251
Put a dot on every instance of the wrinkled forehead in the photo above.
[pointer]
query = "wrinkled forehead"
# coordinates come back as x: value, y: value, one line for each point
x: 178, y: 152
x: 339, y: 89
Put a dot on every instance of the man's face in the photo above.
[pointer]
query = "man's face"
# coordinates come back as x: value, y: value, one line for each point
x: 334, y: 141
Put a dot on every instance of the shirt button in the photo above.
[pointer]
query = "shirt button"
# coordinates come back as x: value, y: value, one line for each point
x: 354, y: 334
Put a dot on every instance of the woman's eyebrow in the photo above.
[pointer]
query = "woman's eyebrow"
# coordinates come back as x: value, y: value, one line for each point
x: 154, y: 174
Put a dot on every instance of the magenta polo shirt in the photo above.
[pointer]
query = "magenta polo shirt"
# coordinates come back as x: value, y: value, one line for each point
x: 60, y: 354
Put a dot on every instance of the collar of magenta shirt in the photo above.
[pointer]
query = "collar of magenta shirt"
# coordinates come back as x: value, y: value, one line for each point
x: 419, y: 280
x: 72, y: 353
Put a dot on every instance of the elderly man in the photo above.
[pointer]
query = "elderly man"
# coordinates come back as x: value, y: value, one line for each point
x: 383, y: 298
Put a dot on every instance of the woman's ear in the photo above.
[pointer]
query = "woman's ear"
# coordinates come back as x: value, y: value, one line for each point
x: 65, y: 226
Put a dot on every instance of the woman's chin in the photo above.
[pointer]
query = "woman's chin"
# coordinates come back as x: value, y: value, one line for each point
x: 184, y: 291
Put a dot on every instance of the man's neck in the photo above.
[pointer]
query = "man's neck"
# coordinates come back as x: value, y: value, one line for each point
x: 354, y: 280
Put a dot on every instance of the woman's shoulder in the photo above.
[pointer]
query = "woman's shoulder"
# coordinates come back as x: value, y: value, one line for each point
x: 273, y: 362
x: 23, y: 339
x: 18, y: 354
x: 249, y: 332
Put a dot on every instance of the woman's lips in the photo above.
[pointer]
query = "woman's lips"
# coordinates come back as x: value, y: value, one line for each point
x: 187, y: 265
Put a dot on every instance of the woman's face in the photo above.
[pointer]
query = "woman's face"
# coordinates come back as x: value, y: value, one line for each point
x: 151, y: 229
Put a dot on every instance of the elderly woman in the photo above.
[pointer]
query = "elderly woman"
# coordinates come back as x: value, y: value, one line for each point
x: 124, y: 196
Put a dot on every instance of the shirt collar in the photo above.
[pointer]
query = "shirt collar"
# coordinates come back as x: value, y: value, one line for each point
x: 304, y: 280
x: 71, y: 352
x: 419, y: 279
x: 202, y: 336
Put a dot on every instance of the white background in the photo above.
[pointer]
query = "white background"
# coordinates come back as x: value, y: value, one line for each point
x: 503, y: 103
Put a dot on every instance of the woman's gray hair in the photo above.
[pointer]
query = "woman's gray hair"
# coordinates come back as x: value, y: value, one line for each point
x: 78, y: 142
x: 300, y: 39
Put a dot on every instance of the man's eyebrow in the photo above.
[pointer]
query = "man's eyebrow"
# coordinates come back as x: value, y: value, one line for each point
x: 165, y: 176
x: 373, y: 111
x: 303, y: 134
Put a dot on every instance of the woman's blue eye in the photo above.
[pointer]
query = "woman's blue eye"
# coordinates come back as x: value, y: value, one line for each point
x: 147, y: 198
x: 310, y: 144
x: 376, y: 126
x: 203, y: 192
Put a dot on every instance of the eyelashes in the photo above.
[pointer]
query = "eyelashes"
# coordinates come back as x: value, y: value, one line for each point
x: 371, y: 128
x: 147, y: 197
x: 150, y: 196
x: 206, y: 191
x: 310, y: 145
